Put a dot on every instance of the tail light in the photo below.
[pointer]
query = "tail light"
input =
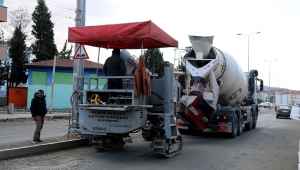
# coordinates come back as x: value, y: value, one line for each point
x: 223, y: 128
x: 222, y: 117
x: 277, y: 110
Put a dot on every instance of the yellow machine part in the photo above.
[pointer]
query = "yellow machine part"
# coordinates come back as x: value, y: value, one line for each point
x: 95, y: 99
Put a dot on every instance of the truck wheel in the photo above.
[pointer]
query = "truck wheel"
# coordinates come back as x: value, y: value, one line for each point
x: 254, y: 122
x: 234, y: 127
x: 248, y: 126
x: 240, y: 127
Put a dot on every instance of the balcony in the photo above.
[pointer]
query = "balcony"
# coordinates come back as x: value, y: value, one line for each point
x: 3, y: 13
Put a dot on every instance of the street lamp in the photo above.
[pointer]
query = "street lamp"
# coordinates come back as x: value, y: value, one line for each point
x: 270, y: 78
x: 248, y: 35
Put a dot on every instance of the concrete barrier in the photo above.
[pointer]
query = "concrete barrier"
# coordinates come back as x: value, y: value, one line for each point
x: 40, y: 148
x: 10, y: 109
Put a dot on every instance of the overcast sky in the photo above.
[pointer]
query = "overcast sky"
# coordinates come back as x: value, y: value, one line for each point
x: 277, y: 20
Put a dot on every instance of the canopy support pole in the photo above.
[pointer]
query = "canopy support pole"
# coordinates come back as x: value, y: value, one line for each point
x: 97, y: 67
x: 142, y: 46
x: 142, y: 97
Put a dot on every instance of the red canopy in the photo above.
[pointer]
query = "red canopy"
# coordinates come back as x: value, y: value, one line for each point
x: 124, y: 36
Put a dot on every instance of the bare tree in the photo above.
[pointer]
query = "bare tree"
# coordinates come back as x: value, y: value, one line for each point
x: 19, y: 17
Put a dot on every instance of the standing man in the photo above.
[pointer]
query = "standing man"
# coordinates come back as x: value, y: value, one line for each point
x: 114, y: 66
x: 38, y: 111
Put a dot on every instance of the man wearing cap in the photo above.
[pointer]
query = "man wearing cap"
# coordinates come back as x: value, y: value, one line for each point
x: 114, y: 66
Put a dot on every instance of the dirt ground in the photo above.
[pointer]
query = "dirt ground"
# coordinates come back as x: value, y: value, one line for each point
x: 43, y: 161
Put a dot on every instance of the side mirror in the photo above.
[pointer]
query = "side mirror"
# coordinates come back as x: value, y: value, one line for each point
x: 250, y: 83
x: 261, y: 85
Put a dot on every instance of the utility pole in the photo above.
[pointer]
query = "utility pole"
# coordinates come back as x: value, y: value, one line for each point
x: 248, y: 45
x: 78, y: 68
x: 270, y: 79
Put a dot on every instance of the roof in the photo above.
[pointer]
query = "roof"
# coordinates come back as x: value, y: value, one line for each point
x: 135, y: 35
x: 67, y: 63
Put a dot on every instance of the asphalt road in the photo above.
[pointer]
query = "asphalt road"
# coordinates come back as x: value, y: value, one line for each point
x: 273, y: 145
x: 11, y: 132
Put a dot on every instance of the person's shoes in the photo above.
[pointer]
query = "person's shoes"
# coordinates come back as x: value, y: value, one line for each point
x: 39, y: 140
x: 35, y: 141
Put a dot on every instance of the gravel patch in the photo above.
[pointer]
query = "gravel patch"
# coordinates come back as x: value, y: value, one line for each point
x: 45, y: 160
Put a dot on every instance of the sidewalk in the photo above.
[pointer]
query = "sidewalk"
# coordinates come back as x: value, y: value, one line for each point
x: 25, y: 113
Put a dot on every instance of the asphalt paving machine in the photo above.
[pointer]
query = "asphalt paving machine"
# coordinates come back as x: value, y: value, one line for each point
x: 107, y: 117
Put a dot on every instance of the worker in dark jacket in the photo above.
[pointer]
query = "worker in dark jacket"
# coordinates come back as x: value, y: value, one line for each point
x: 114, y: 66
x: 38, y: 111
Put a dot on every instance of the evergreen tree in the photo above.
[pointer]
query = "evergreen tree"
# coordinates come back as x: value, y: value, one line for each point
x: 154, y: 60
x: 42, y: 29
x: 7, y: 71
x: 2, y: 73
x: 64, y: 53
x: 17, y: 54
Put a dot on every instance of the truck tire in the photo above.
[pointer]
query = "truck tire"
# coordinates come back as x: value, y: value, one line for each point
x: 254, y: 121
x: 248, y: 126
x: 241, y: 122
x: 234, y: 127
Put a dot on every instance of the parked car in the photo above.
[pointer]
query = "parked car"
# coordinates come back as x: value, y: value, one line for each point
x: 267, y: 104
x: 283, y: 110
x: 261, y: 104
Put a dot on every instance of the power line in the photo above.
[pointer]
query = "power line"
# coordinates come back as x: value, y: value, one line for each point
x: 59, y: 22
x: 34, y: 8
x: 63, y: 22
x: 71, y: 8
x: 61, y: 6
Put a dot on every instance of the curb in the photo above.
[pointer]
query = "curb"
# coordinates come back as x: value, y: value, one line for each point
x: 40, y: 148
x: 20, y: 117
x: 299, y: 157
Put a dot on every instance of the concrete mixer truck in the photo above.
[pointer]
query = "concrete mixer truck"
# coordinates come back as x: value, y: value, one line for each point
x: 219, y: 95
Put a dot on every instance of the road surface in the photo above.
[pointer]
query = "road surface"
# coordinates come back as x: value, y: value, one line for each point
x: 12, y: 132
x: 273, y: 145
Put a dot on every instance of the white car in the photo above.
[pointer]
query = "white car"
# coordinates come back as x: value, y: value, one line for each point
x: 267, y: 104
x: 261, y: 104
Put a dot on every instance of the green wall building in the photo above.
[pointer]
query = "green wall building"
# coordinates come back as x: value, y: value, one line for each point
x: 40, y: 77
